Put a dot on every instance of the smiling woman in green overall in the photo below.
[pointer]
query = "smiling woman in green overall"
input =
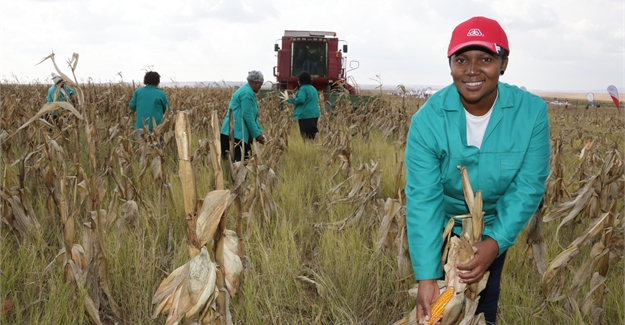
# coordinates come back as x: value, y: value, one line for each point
x: 500, y: 133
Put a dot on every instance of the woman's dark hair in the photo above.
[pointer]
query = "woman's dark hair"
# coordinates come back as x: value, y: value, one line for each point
x: 304, y: 78
x: 504, y: 54
x: 152, y: 78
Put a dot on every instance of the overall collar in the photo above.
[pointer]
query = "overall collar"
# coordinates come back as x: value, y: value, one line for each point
x: 452, y: 107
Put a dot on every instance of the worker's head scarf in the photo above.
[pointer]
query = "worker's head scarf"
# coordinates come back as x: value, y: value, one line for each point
x: 255, y: 76
x: 56, y: 78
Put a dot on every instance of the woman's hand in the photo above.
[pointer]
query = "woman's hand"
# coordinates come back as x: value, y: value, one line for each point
x: 487, y: 251
x: 261, y: 138
x: 426, y: 296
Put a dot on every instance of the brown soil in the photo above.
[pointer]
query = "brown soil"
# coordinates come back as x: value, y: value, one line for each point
x: 579, y: 96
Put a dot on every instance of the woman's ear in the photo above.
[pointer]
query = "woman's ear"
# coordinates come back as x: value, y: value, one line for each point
x: 504, y: 65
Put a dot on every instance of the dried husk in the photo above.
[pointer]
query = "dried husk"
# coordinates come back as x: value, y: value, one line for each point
x: 213, y: 208
x: 187, y: 289
x: 228, y: 258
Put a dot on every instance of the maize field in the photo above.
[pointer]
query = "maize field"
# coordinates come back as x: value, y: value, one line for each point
x: 100, y: 227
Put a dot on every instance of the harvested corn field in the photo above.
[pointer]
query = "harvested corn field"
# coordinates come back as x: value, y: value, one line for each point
x: 99, y: 227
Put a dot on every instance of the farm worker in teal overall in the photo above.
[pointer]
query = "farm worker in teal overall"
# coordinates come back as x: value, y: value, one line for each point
x: 306, y: 111
x: 149, y: 102
x: 244, y: 109
x: 500, y: 133
x: 59, y: 92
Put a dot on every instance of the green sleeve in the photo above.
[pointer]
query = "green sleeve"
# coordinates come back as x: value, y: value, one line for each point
x: 165, y: 103
x: 249, y: 109
x: 300, y: 98
x: 50, y: 97
x: 424, y: 199
x: 70, y: 91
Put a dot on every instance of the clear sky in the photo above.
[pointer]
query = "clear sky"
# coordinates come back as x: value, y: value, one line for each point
x: 562, y: 45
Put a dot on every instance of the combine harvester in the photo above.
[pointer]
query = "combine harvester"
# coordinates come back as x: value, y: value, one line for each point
x: 318, y: 53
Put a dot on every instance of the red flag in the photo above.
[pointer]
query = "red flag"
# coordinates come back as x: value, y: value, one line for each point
x: 614, y: 94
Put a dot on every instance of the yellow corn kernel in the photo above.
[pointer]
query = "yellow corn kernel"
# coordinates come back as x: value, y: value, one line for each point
x: 436, y: 311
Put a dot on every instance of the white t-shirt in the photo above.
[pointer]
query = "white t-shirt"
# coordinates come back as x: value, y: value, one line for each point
x: 476, y: 126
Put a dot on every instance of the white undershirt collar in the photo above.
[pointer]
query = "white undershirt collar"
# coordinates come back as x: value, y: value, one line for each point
x: 476, y: 126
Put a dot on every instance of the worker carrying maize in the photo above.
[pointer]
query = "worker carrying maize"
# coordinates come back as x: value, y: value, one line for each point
x: 500, y: 134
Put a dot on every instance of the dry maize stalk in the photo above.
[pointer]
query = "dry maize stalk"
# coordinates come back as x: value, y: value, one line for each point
x: 215, y: 149
x: 187, y: 174
x: 472, y: 229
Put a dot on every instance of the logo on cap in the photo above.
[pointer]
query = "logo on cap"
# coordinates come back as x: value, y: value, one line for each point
x: 475, y: 32
x: 498, y: 48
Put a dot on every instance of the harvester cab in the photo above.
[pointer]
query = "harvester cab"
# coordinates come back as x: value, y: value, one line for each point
x: 318, y: 53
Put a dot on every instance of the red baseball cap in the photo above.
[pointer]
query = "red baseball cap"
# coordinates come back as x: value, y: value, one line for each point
x: 478, y: 31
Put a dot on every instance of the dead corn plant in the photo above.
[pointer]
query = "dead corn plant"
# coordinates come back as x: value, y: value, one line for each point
x: 121, y: 160
x: 16, y: 209
x: 556, y: 187
x: 594, y: 196
x: 152, y: 156
x: 588, y: 158
x: 257, y: 198
x: 391, y: 119
x: 84, y: 266
x: 101, y: 220
x: 593, y: 204
x: 362, y: 190
x: 340, y: 149
x: 392, y: 233
x: 536, y: 247
x: 201, y: 289
x: 556, y: 191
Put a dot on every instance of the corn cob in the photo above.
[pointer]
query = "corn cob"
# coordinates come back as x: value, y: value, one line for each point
x: 436, y: 311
